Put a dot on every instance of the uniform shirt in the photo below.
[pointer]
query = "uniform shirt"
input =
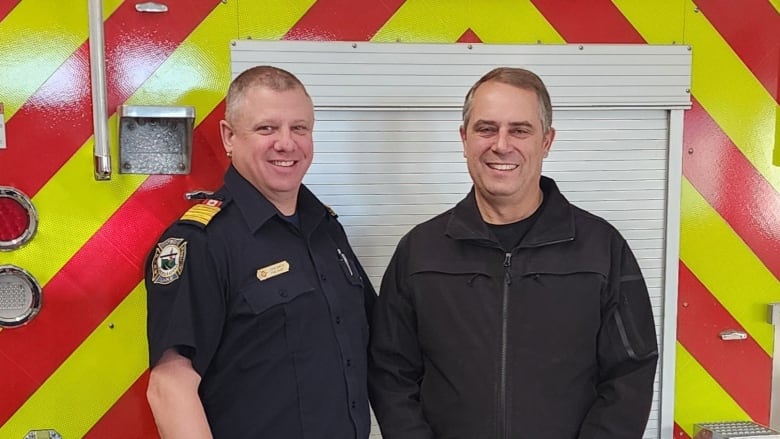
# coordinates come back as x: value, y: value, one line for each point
x: 273, y: 315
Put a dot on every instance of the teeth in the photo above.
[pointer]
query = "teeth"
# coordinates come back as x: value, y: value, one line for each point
x: 283, y: 163
x: 502, y: 166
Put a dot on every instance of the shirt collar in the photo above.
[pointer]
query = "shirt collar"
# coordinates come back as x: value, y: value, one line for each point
x: 257, y: 210
x: 555, y: 222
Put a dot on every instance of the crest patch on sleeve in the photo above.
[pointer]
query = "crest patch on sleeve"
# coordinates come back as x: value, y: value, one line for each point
x: 168, y: 261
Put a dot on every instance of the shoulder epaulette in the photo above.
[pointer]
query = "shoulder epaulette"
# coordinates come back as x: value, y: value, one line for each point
x: 331, y: 211
x: 203, y: 212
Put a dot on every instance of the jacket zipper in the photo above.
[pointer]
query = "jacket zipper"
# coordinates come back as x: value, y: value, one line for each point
x: 502, y: 417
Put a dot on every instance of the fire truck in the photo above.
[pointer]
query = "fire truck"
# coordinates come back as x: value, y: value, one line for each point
x: 85, y: 84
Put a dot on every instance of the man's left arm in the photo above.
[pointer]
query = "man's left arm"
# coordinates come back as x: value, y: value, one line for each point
x: 627, y: 353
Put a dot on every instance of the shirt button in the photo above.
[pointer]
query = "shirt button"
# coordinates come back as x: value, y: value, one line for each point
x: 338, y: 320
x: 283, y: 293
x: 354, y: 404
x: 323, y: 277
x: 349, y: 363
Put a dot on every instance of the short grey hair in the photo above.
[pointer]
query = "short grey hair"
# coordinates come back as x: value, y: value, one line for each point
x: 270, y: 77
x: 517, y: 77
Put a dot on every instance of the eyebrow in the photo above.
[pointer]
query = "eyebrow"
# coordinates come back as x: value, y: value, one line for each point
x: 511, y: 124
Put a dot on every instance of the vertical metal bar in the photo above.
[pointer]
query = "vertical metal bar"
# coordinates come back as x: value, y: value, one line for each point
x: 774, y: 405
x: 97, y: 59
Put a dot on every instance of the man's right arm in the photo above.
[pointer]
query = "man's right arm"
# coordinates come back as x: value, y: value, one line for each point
x: 173, y: 397
x: 395, y: 359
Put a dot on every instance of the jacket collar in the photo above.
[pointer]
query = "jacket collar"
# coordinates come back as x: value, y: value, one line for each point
x: 555, y: 222
x: 257, y: 210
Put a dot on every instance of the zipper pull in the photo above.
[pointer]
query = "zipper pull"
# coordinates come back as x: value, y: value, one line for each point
x: 507, y: 265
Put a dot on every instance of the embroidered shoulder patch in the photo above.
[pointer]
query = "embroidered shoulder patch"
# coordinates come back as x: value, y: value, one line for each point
x: 203, y: 212
x: 168, y: 261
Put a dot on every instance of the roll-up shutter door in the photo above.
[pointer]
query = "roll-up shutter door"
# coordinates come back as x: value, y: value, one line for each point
x: 388, y: 155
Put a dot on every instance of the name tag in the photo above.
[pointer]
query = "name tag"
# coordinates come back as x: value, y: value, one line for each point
x: 273, y: 270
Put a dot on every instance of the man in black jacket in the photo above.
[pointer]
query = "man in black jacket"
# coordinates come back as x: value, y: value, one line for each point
x: 514, y: 314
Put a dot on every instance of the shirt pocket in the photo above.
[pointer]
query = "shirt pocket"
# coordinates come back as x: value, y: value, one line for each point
x: 264, y: 295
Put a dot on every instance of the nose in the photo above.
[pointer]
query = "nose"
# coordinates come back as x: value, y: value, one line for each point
x: 501, y: 144
x: 284, y: 141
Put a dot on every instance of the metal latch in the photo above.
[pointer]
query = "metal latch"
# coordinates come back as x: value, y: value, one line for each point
x: 733, y: 334
x: 42, y: 434
x: 151, y: 7
x: 198, y: 195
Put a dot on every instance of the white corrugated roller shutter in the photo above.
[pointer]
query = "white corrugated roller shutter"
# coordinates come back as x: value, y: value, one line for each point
x: 388, y: 155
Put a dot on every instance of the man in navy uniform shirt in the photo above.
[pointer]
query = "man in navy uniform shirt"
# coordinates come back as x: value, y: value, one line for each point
x: 257, y: 306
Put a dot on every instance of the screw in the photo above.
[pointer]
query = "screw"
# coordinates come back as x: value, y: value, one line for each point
x: 469, y: 47
x: 182, y: 167
x: 110, y: 326
x: 126, y: 165
x: 581, y: 47
x: 690, y: 150
x: 354, y: 45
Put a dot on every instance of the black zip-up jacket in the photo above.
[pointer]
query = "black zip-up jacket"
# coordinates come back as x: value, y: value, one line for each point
x: 554, y: 339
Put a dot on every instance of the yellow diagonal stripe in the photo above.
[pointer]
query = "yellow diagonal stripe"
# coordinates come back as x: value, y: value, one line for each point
x: 494, y: 21
x: 726, y: 266
x: 37, y: 37
x: 724, y: 86
x: 776, y: 4
x: 269, y: 20
x: 72, y: 206
x: 90, y: 381
x: 705, y: 400
x: 76, y: 396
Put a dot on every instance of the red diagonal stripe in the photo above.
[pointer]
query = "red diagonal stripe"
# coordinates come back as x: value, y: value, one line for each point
x: 6, y: 6
x: 101, y: 274
x: 130, y: 415
x: 748, y: 388
x: 51, y: 126
x: 351, y: 20
x: 742, y: 368
x: 469, y: 37
x: 752, y: 29
x: 734, y: 188
x: 679, y: 433
x: 595, y: 21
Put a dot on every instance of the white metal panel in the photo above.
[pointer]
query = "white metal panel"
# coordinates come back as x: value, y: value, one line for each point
x: 343, y: 74
x: 384, y: 186
x: 388, y: 154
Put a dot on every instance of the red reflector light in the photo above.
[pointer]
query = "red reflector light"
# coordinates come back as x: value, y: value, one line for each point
x: 18, y: 219
x: 14, y: 219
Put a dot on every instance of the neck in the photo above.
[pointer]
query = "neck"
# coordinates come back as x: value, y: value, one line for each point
x: 284, y: 203
x: 507, y: 210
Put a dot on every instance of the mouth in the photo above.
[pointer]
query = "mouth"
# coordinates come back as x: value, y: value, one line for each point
x: 283, y: 163
x: 502, y: 166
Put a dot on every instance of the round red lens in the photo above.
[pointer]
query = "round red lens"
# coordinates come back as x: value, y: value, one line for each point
x: 14, y: 219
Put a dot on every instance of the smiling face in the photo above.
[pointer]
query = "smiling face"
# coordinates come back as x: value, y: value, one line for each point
x: 504, y: 144
x: 270, y: 139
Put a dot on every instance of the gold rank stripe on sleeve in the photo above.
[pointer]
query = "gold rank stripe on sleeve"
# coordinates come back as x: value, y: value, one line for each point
x: 202, y: 213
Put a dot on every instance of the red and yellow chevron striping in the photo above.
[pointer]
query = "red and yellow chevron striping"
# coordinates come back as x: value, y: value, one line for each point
x: 90, y: 250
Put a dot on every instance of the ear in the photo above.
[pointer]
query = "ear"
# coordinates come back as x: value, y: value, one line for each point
x: 462, y: 131
x: 227, y: 133
x: 547, y: 141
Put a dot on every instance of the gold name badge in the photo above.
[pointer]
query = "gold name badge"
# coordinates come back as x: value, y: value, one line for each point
x: 273, y: 270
